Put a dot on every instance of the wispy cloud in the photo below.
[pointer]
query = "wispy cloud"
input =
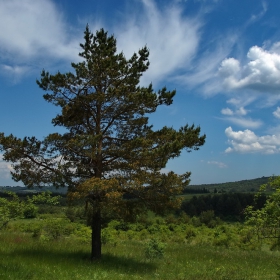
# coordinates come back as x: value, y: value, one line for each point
x: 34, y: 30
x: 203, y: 74
x: 258, y: 16
x: 244, y: 122
x: 218, y: 163
x: 171, y: 38
x: 276, y: 113
x: 239, y: 115
x: 38, y: 30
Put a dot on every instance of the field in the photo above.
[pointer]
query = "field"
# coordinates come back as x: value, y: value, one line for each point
x: 25, y: 256
x: 50, y: 240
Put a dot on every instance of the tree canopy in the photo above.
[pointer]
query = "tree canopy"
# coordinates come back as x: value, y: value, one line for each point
x: 266, y: 220
x: 110, y: 155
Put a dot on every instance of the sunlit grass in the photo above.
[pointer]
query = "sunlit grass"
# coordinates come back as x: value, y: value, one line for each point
x: 23, y: 257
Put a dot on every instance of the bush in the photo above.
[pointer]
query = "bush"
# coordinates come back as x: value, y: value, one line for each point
x: 75, y: 213
x: 207, y: 217
x: 190, y: 232
x: 154, y: 249
x: 30, y: 210
x: 108, y: 236
x: 83, y: 234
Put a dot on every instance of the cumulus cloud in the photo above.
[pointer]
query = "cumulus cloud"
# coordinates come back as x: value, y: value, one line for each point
x: 261, y: 73
x: 248, y: 142
x: 277, y: 113
x: 217, y: 163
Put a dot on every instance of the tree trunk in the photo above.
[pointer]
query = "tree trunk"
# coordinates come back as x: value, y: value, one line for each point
x: 96, y: 236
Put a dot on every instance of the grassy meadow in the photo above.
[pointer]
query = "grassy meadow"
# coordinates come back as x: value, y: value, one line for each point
x: 61, y: 251
x: 25, y: 258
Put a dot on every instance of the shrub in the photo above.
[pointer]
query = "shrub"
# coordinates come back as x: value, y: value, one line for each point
x: 30, y: 210
x: 75, y: 213
x: 154, y: 249
x: 108, y: 236
x: 196, y: 221
x: 190, y: 232
x: 54, y: 229
x: 207, y: 217
x: 83, y: 234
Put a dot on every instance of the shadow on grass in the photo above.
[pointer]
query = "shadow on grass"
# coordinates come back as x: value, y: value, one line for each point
x: 45, y: 256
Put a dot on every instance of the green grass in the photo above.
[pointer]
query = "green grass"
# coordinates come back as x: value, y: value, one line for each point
x: 23, y: 257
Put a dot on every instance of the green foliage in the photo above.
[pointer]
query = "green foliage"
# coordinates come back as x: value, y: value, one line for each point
x: 110, y: 156
x: 75, y: 213
x: 30, y: 210
x: 13, y: 207
x: 23, y: 257
x: 267, y: 219
x: 109, y: 236
x: 45, y: 198
x: 154, y: 249
x: 10, y: 209
x: 243, y: 186
x: 227, y: 206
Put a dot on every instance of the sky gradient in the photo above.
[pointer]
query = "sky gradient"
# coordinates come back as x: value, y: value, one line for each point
x: 222, y: 57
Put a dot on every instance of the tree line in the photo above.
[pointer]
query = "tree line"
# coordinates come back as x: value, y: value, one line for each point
x: 225, y: 205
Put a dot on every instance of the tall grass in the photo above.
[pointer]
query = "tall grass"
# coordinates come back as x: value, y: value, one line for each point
x: 23, y: 257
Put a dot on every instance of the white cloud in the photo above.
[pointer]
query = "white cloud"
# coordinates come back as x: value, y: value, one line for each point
x: 171, y: 38
x: 227, y: 111
x: 203, y: 74
x: 217, y: 163
x: 261, y: 73
x: 229, y: 67
x: 244, y: 122
x: 277, y: 113
x: 273, y: 129
x: 5, y: 168
x: 256, y: 17
x: 39, y: 30
x: 15, y: 72
x: 237, y: 116
x: 248, y: 142
x: 34, y: 29
x: 241, y: 101
x: 240, y: 112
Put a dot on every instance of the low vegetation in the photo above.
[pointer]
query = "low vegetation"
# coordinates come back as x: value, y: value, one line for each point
x: 54, y: 244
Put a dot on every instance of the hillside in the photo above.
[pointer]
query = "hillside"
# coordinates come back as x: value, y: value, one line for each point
x: 251, y: 185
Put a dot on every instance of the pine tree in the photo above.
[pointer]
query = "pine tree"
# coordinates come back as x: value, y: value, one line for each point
x: 109, y: 155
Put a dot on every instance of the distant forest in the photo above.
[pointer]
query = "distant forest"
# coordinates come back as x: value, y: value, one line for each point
x: 246, y: 186
x: 243, y: 186
x: 225, y: 200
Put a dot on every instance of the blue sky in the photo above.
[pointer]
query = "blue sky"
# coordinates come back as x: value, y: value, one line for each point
x: 222, y: 57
